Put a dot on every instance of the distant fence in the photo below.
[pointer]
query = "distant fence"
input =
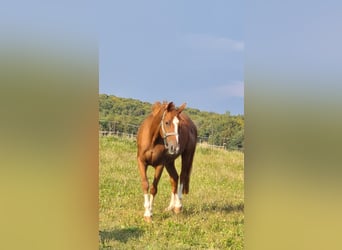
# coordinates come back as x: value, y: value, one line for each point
x: 206, y: 145
x: 118, y: 134
x: 200, y: 141
x: 130, y: 130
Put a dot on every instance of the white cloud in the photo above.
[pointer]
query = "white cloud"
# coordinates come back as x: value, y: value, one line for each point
x: 232, y: 89
x: 203, y: 41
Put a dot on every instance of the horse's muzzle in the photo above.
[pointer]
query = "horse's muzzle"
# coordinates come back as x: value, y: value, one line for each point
x: 172, y: 148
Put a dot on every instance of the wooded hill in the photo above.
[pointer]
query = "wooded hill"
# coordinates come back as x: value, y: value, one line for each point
x: 126, y: 114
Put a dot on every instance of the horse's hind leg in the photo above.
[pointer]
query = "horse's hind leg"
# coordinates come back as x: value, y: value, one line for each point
x: 175, y: 202
x: 154, y: 188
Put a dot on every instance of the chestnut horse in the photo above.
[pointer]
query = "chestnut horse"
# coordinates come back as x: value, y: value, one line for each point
x: 164, y: 135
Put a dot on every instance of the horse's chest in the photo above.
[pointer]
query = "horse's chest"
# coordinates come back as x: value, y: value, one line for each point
x: 158, y: 155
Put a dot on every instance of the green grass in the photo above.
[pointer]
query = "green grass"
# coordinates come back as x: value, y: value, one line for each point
x: 213, y: 211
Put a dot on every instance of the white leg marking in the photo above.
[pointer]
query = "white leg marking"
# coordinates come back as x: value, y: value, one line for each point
x: 180, y: 191
x: 174, y: 202
x: 178, y: 202
x: 147, y: 206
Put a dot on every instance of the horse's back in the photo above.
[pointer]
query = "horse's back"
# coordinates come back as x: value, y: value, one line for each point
x: 190, y: 129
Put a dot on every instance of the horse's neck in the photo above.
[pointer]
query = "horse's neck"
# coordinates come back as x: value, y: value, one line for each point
x: 155, y: 128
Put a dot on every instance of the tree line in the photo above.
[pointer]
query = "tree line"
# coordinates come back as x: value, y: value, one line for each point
x: 126, y: 114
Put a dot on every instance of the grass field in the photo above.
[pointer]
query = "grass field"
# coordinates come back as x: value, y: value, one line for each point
x: 213, y: 211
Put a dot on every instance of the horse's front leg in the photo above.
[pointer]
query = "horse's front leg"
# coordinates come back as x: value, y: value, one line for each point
x: 154, y: 188
x: 145, y: 186
x: 175, y: 202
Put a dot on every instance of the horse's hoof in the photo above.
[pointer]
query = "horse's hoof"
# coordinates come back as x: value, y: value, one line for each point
x: 168, y: 209
x: 148, y: 219
x: 177, y: 210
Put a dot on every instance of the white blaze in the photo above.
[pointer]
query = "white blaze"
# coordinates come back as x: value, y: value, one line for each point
x: 175, y: 123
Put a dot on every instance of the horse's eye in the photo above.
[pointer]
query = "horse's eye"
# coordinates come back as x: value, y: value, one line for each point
x: 167, y: 123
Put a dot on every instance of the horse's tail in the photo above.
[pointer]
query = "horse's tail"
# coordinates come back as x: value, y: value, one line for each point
x: 187, y: 159
x: 188, y: 156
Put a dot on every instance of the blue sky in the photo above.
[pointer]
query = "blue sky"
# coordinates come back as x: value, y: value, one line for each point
x: 181, y: 51
x: 188, y: 51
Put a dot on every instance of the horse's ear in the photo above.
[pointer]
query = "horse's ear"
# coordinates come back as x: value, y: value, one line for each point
x: 156, y: 108
x: 181, y: 108
x: 170, y: 106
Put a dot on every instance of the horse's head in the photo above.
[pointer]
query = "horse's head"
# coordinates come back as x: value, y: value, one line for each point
x: 169, y: 127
